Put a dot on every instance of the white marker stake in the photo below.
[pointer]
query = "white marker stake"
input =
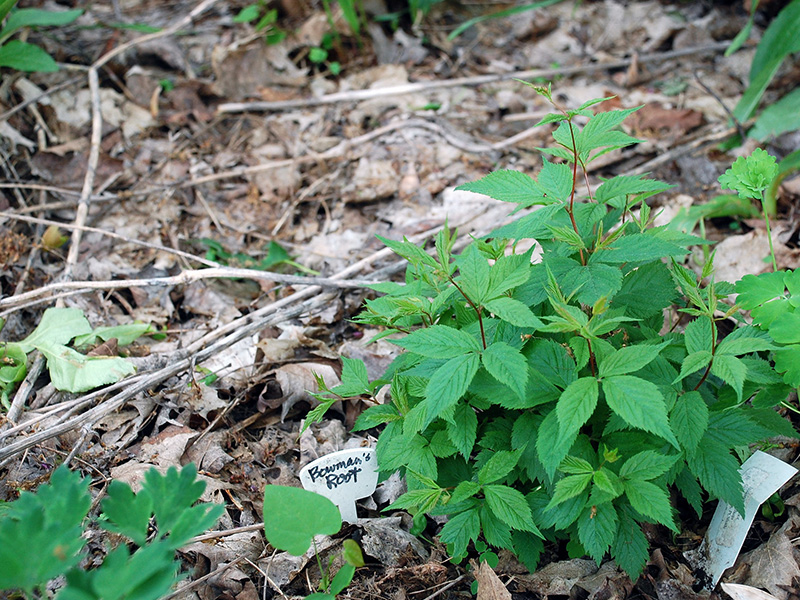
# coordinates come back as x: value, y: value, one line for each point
x: 343, y: 477
x: 762, y: 476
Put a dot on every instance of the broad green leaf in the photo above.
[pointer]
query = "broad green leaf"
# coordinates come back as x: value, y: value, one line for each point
x: 623, y: 186
x: 463, y: 428
x: 573, y: 465
x: 411, y: 252
x: 460, y: 529
x: 569, y: 487
x: 734, y: 427
x: 630, y: 546
x: 441, y: 446
x: 785, y: 328
x: 293, y: 516
x: 787, y: 361
x: 34, y: 17
x: 247, y: 14
x: 591, y: 282
x: 552, y: 444
x: 731, y: 370
x: 691, y: 491
x: 509, y: 186
x: 629, y: 359
x: 74, y: 372
x: 754, y: 290
x: 57, y: 326
x: 439, y: 341
x: 26, y: 57
x: 449, y: 383
x: 499, y: 465
x: 510, y: 506
x: 778, y: 118
x: 597, y: 529
x: 343, y: 576
x: 689, y: 419
x: 127, y: 513
x: 424, y: 499
x: 640, y: 404
x: 551, y: 360
x: 718, y: 472
x: 513, y: 311
x: 651, y: 501
x: 508, y: 366
x: 509, y: 272
x: 125, y: 334
x: 577, y: 404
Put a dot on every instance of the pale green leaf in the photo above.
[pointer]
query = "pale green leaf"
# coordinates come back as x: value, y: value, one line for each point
x: 499, y: 465
x: 449, y: 383
x: 510, y: 506
x: 597, y: 529
x: 629, y: 359
x: 439, y: 341
x: 651, y: 501
x: 577, y: 404
x: 646, y: 465
x: 508, y: 366
x: 640, y: 404
x: 513, y: 311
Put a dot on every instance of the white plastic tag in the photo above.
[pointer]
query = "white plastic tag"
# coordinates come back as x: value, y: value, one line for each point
x: 762, y: 476
x: 343, y: 477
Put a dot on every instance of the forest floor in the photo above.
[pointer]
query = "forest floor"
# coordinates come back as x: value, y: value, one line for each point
x: 218, y: 151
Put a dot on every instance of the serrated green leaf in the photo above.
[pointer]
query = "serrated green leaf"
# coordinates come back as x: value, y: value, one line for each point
x: 474, y: 278
x: 718, y: 472
x: 439, y: 341
x: 464, y: 490
x: 622, y: 186
x: 787, y: 361
x: 577, y: 404
x: 572, y: 465
x: 745, y: 340
x: 607, y: 482
x: 510, y: 506
x: 172, y: 493
x: 754, y: 290
x: 645, y: 291
x: 785, y: 328
x: 698, y: 336
x: 376, y: 415
x: 629, y: 359
x: 731, y: 370
x: 495, y: 532
x: 630, y: 546
x: 591, y: 282
x: 750, y: 175
x: 500, y: 464
x: 463, y: 429
x: 527, y: 548
x: 569, y: 487
x: 460, y: 529
x: 508, y: 366
x: 637, y: 248
x: 651, y: 501
x: 441, y: 446
x: 597, y: 529
x: 508, y: 186
x: 552, y: 444
x: 125, y: 334
x: 639, y: 403
x: 646, y: 465
x: 449, y: 383
x: 513, y: 311
x: 693, y: 363
x: 423, y: 499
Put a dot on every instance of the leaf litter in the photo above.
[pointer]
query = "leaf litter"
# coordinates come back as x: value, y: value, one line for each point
x: 185, y: 157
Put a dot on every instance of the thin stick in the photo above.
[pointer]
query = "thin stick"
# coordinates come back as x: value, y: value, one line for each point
x: 213, y: 535
x: 410, y: 88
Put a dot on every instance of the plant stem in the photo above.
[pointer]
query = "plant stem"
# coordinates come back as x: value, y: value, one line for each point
x: 592, y: 361
x: 574, y: 186
x: 769, y: 235
x: 713, y: 352
x: 475, y: 308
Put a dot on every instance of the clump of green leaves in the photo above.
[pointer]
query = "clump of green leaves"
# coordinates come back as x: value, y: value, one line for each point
x: 292, y: 517
x: 70, y: 370
x: 24, y: 56
x: 42, y: 535
x: 561, y: 400
x: 265, y: 20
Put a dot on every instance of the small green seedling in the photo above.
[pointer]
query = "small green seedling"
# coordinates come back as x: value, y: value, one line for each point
x: 266, y: 21
x: 293, y: 517
x: 43, y: 535
x: 70, y: 370
x: 23, y: 56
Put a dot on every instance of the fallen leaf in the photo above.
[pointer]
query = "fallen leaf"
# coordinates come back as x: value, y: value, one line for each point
x: 745, y: 592
x: 489, y: 585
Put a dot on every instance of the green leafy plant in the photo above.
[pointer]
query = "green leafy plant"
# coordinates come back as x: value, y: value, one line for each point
x: 561, y: 400
x: 292, y: 517
x: 506, y: 12
x: 69, y: 370
x: 23, y: 56
x: 42, y: 535
x: 276, y: 256
x: 318, y: 55
x: 266, y: 21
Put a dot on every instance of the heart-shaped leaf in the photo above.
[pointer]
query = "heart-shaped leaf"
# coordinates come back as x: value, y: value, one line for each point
x: 293, y: 516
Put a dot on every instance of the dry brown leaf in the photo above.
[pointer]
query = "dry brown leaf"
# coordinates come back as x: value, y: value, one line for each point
x: 489, y: 585
x: 745, y: 592
x: 773, y: 565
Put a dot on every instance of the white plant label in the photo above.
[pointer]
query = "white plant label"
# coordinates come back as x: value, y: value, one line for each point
x: 762, y: 476
x: 343, y: 477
